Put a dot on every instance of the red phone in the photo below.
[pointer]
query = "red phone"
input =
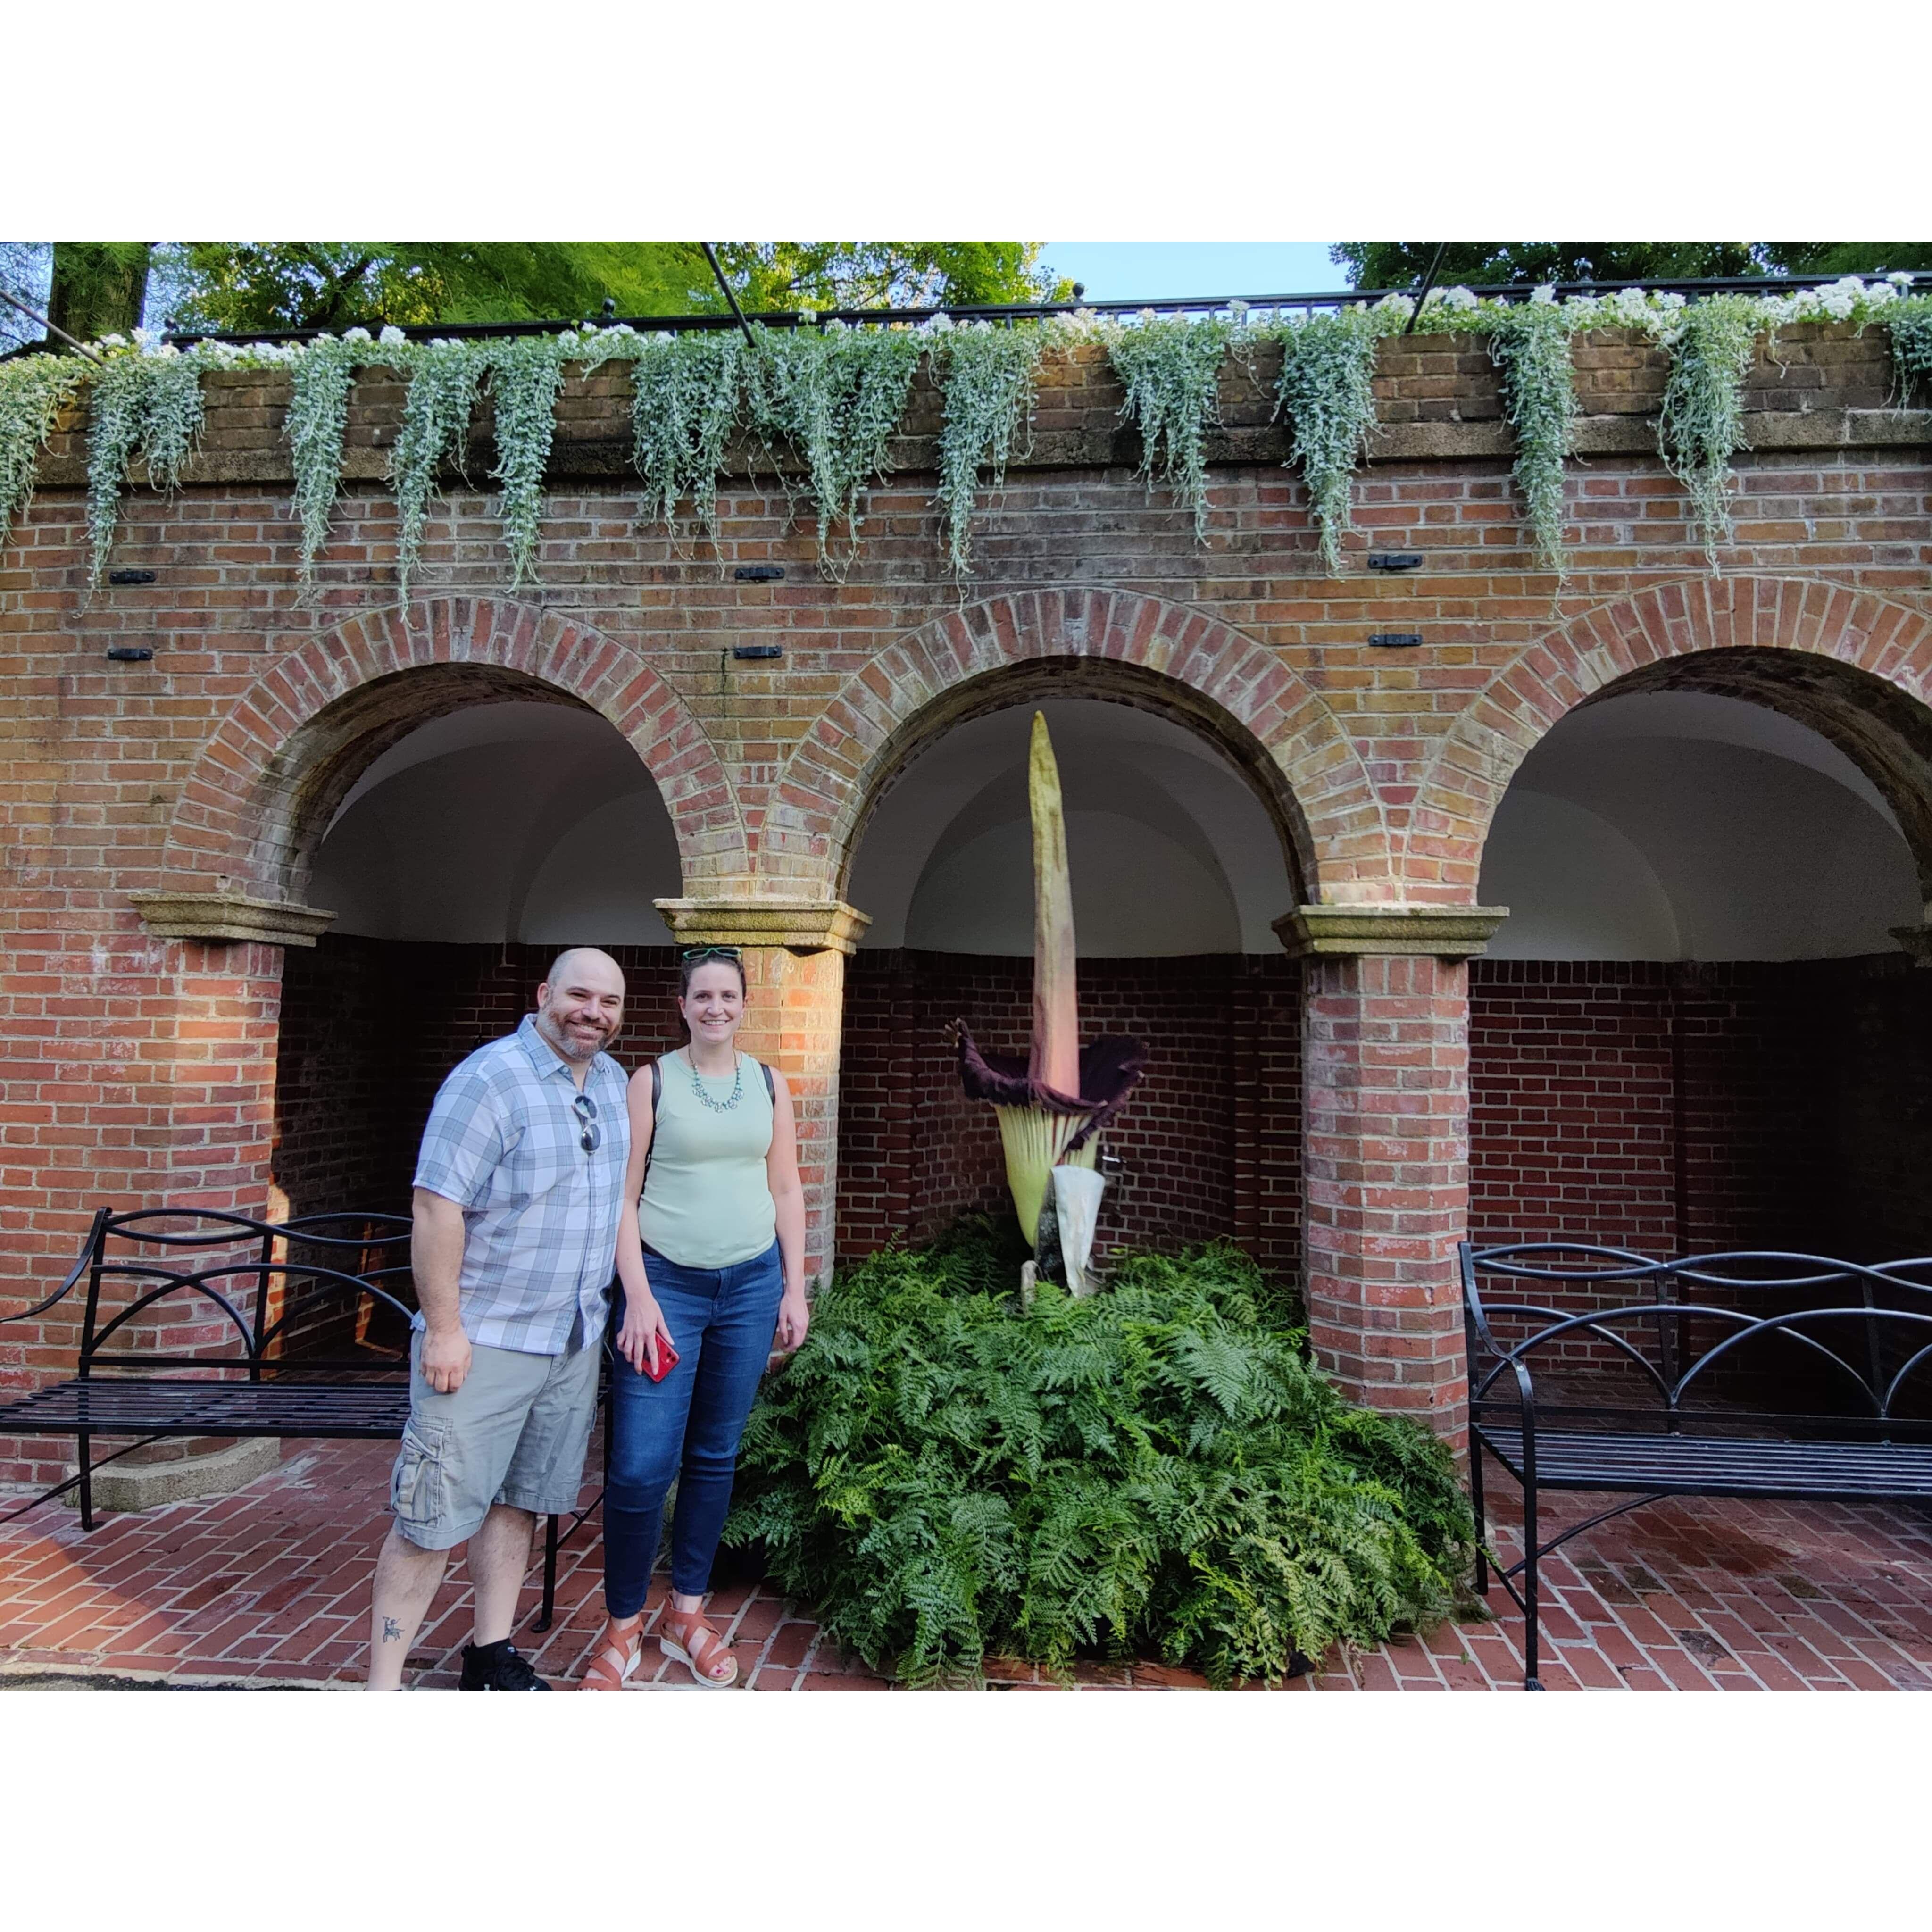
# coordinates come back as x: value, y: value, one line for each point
x: 666, y: 1361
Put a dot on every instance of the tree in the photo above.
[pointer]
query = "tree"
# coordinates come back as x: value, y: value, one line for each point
x: 1402, y: 265
x: 98, y: 287
x: 243, y: 287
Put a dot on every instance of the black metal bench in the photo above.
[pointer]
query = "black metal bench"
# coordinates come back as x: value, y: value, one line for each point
x: 265, y: 1285
x: 1751, y: 1374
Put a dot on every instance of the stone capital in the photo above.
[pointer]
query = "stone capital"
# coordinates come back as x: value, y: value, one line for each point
x: 1917, y: 940
x: 230, y: 917
x: 1442, y: 932
x: 804, y: 925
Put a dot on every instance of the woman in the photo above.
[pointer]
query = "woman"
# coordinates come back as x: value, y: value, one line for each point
x: 711, y: 1255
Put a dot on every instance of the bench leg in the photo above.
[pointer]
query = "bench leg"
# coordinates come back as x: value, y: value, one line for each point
x: 82, y: 1456
x: 547, y: 1616
x: 1482, y: 1516
x: 1530, y: 1680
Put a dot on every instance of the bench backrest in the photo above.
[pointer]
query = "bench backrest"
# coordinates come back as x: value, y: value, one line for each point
x: 190, y: 1288
x: 1856, y: 1337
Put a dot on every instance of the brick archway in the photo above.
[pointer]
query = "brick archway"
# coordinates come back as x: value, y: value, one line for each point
x: 1856, y: 668
x: 289, y: 748
x: 1104, y: 643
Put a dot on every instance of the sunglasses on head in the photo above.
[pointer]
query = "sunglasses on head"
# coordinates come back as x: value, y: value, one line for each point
x: 692, y: 955
x: 585, y: 1111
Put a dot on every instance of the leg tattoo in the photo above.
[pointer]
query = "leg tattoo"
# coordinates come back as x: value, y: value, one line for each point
x: 391, y: 1630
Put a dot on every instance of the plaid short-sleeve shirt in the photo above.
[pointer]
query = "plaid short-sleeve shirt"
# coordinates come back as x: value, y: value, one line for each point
x: 504, y: 1142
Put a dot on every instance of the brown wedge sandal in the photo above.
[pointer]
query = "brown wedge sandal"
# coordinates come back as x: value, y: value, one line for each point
x: 685, y: 1635
x: 618, y: 1656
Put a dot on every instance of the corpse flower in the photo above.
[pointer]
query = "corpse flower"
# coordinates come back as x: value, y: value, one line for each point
x: 1052, y: 1104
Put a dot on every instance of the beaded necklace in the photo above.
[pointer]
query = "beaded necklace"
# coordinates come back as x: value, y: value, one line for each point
x: 737, y: 1085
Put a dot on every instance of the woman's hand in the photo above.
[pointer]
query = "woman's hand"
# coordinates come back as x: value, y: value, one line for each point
x: 794, y: 1318
x: 638, y: 1339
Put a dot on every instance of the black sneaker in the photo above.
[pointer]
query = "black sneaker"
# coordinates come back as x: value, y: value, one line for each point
x: 498, y: 1667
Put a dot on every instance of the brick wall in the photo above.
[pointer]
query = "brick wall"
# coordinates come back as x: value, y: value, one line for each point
x: 1209, y: 1145
x: 132, y: 1069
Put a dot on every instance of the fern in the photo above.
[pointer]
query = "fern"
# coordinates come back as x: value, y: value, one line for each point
x: 1153, y: 1470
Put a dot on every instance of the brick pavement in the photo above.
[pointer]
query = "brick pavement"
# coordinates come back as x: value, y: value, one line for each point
x: 271, y: 1586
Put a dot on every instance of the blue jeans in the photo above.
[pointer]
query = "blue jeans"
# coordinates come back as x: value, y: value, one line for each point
x: 722, y: 1322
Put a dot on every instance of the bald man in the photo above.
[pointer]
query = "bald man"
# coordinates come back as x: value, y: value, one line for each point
x: 518, y: 1190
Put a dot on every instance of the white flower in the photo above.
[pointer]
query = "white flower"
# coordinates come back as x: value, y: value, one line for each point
x: 1401, y: 305
x: 1544, y: 295
x: 1237, y: 311
x: 1880, y: 293
x: 114, y: 342
x: 1903, y: 276
x: 936, y: 325
x: 391, y: 336
x: 1458, y: 298
x: 807, y: 316
x: 356, y: 335
x: 146, y: 339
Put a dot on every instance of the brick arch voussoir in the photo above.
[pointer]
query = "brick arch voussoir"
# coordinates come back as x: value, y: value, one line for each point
x: 1550, y: 677
x: 1336, y: 824
x: 260, y: 746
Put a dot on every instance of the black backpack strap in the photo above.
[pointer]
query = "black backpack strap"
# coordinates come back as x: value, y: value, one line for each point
x: 657, y: 1087
x: 771, y: 1085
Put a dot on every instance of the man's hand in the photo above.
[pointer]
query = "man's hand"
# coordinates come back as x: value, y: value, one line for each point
x: 446, y: 1359
x: 643, y: 1325
x: 794, y: 1319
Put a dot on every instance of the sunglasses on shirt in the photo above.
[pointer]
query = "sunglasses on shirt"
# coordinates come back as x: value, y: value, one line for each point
x: 585, y: 1109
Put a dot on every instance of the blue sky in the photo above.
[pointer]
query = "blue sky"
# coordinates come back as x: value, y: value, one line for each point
x: 1167, y: 271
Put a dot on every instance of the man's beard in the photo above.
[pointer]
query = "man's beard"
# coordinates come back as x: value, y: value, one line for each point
x: 567, y: 1044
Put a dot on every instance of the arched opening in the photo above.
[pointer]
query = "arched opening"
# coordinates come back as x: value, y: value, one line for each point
x: 460, y: 849
x: 1181, y: 863
x: 1697, y: 1030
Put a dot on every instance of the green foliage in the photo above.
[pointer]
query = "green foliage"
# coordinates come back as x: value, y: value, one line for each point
x: 318, y: 419
x: 97, y: 288
x: 687, y: 398
x: 1154, y: 1468
x: 836, y: 395
x: 526, y: 374
x: 1171, y: 368
x: 1326, y: 391
x: 239, y: 286
x: 149, y: 406
x: 1530, y: 345
x: 34, y: 390
x: 988, y: 375
x: 1701, y: 424
x: 1911, y: 324
x: 1402, y: 265
x: 444, y: 378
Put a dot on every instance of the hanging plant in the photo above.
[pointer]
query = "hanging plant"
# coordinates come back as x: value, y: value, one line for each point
x: 435, y: 430
x: 444, y: 379
x: 34, y: 390
x: 989, y: 376
x: 836, y: 396
x: 1529, y: 343
x: 687, y: 399
x: 1911, y: 324
x: 1326, y: 392
x: 1702, y: 424
x: 1171, y: 368
x: 525, y: 379
x: 144, y: 404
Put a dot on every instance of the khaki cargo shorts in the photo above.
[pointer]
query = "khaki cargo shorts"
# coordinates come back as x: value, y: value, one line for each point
x: 515, y: 1433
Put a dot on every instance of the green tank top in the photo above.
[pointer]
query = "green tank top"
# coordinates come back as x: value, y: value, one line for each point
x: 707, y: 1200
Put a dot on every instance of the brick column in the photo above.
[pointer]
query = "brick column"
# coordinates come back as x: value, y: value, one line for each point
x: 794, y: 953
x: 1385, y: 1161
